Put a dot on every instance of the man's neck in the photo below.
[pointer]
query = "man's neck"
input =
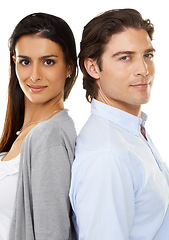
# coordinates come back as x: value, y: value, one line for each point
x: 132, y: 109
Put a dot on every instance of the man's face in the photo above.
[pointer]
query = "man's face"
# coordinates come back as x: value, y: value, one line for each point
x: 128, y: 70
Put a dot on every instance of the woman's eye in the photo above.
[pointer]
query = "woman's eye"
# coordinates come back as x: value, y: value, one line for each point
x: 24, y: 62
x: 49, y: 62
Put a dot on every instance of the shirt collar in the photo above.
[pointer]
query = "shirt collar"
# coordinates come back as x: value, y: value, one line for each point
x: 121, y: 118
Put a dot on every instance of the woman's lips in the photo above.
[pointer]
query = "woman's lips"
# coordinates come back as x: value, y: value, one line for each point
x: 36, y: 88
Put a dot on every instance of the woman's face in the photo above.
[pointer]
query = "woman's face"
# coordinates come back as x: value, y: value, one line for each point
x: 41, y: 69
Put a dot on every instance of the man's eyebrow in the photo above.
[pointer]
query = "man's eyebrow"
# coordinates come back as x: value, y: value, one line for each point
x: 150, y: 50
x: 123, y: 53
x: 131, y: 52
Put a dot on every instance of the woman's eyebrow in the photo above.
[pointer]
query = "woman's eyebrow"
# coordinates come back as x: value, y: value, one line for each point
x: 22, y: 56
x: 43, y: 57
x: 48, y: 56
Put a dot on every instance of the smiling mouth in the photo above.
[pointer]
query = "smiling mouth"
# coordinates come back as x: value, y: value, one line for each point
x: 141, y: 85
x: 36, y: 89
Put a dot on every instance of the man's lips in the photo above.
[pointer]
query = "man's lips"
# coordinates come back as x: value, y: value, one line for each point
x: 140, y: 85
x: 36, y: 88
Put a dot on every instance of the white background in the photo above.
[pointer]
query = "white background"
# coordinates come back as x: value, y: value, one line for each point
x: 77, y: 13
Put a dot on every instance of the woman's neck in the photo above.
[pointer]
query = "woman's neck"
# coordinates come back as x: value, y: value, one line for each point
x: 36, y: 112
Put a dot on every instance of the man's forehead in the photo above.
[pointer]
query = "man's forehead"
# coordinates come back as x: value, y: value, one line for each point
x: 130, y: 40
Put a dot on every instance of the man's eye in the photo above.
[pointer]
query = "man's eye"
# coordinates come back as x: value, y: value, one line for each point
x: 24, y: 62
x: 125, y: 58
x: 149, y: 55
x: 49, y: 62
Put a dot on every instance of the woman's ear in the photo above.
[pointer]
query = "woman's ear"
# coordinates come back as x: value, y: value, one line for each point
x: 69, y: 72
x: 14, y: 59
x: 92, y: 68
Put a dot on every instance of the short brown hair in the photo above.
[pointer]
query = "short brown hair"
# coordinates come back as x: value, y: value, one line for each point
x: 96, y: 35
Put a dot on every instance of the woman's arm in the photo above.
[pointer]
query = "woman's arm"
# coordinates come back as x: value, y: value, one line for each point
x: 50, y: 180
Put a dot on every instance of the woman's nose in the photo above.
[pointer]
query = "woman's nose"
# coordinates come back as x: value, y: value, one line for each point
x: 36, y: 73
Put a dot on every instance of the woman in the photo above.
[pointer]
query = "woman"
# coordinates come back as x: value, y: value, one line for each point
x: 37, y: 143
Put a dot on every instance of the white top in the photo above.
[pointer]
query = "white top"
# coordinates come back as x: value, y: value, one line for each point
x: 8, y: 185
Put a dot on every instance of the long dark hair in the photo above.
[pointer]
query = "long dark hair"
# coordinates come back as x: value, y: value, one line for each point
x: 46, y: 26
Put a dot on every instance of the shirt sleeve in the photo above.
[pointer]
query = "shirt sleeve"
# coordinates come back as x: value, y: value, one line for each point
x: 102, y: 197
x: 50, y: 182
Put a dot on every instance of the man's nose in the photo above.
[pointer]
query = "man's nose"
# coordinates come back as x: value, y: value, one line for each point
x: 142, y: 67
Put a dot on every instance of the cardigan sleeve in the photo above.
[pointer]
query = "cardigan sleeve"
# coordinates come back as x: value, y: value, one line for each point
x: 50, y: 181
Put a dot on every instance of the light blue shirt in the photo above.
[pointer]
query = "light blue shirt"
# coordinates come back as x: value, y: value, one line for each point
x: 120, y: 186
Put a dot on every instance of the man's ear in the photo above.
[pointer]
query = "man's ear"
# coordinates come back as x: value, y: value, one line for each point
x: 92, y: 68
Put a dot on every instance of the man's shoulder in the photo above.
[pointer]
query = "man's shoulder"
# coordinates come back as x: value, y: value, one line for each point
x: 100, y: 134
x: 104, y: 141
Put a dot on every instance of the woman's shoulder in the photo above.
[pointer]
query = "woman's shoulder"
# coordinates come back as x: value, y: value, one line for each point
x: 60, y: 124
x: 53, y: 131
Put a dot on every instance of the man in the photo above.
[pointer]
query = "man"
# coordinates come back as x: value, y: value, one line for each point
x: 120, y: 186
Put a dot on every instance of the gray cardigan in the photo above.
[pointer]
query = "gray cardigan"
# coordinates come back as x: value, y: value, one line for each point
x: 42, y: 208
